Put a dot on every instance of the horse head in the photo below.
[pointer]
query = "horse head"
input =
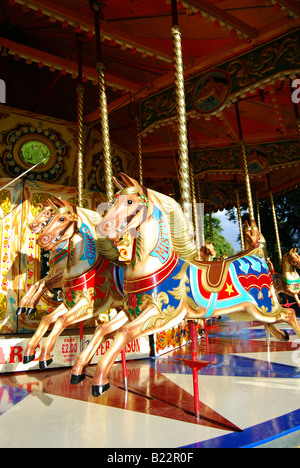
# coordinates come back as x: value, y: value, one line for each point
x: 60, y: 227
x: 46, y: 211
x: 293, y: 258
x: 209, y: 252
x: 252, y: 235
x: 128, y: 210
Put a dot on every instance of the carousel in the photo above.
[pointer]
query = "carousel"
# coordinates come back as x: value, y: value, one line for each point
x: 124, y: 124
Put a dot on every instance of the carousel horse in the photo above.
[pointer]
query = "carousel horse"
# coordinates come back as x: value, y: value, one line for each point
x: 57, y: 261
x: 289, y: 280
x: 208, y: 252
x: 91, y: 283
x: 164, y: 285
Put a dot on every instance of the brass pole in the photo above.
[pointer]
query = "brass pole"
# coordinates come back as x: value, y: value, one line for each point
x: 79, y: 132
x: 257, y: 213
x: 100, y: 68
x: 196, y: 220
x: 275, y: 221
x: 201, y: 214
x: 245, y: 165
x: 210, y: 226
x: 184, y: 172
x: 140, y: 158
x: 238, y: 207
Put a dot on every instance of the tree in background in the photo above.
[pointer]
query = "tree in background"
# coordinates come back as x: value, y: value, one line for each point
x: 221, y: 245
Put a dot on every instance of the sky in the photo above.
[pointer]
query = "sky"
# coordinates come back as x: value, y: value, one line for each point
x: 230, y: 230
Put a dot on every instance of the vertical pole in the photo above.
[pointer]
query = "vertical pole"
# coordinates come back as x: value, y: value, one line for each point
x: 201, y: 214
x: 238, y: 207
x: 245, y: 165
x: 140, y: 159
x: 100, y: 68
x: 193, y: 331
x: 196, y: 220
x: 184, y: 171
x: 79, y: 143
x: 275, y: 222
x: 258, y: 213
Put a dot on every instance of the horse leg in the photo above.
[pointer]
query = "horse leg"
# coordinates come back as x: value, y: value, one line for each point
x: 291, y: 319
x: 125, y: 335
x: 63, y: 321
x: 35, y: 298
x: 281, y: 335
x: 45, y: 323
x: 24, y: 301
x: 84, y: 358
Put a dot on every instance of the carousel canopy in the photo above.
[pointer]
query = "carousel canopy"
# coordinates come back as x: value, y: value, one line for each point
x: 241, y: 62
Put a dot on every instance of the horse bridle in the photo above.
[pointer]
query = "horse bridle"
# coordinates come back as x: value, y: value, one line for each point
x: 143, y: 206
x: 73, y: 215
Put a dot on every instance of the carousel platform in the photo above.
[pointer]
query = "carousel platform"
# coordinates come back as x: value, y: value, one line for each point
x: 249, y: 397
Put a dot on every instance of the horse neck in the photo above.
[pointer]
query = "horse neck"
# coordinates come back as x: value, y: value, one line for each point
x: 287, y: 268
x: 152, y: 245
x: 82, y: 250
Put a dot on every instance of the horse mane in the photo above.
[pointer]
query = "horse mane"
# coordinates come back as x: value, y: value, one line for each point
x: 181, y: 239
x: 105, y: 247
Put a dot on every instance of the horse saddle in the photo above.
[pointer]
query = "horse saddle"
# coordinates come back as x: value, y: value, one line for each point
x: 214, y: 274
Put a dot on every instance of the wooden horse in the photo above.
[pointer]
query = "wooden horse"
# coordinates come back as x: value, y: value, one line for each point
x: 289, y: 280
x: 57, y: 261
x: 208, y: 252
x: 164, y: 285
x: 91, y: 282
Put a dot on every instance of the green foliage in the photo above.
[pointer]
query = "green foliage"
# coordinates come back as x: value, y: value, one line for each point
x: 287, y: 208
x: 220, y: 244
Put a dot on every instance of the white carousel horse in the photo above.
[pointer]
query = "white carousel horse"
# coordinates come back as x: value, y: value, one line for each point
x: 91, y: 283
x: 57, y: 260
x: 164, y: 285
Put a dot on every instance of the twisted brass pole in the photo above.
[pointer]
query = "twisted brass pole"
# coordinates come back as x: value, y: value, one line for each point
x: 201, y: 214
x: 247, y: 181
x: 79, y: 142
x: 140, y: 159
x: 238, y: 207
x: 100, y: 69
x: 276, y: 226
x: 184, y: 172
x: 108, y: 171
x: 196, y: 220
x: 258, y: 213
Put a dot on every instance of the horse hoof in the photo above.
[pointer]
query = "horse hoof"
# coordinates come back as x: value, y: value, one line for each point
x: 20, y: 310
x: 286, y: 335
x: 76, y: 379
x: 44, y: 364
x: 27, y: 359
x: 31, y: 310
x: 98, y: 390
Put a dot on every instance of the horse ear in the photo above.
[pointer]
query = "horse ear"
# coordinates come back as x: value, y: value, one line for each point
x: 129, y: 182
x: 118, y: 183
x: 50, y: 203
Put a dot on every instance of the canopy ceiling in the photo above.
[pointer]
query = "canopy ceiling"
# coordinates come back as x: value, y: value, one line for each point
x: 39, y: 43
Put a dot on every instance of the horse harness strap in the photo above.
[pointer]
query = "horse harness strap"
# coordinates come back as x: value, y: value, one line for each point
x: 73, y: 216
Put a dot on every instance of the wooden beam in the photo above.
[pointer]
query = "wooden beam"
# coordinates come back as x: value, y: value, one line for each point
x: 108, y: 32
x: 222, y: 15
x: 59, y: 63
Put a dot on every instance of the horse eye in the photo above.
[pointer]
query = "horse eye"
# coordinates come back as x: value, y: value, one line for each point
x: 129, y: 202
x: 61, y: 220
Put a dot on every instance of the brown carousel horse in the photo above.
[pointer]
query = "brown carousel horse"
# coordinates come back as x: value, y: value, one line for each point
x: 91, y: 283
x: 289, y: 280
x: 57, y: 260
x: 164, y: 285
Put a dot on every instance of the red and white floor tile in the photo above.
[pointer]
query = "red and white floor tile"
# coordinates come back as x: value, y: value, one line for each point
x: 249, y: 397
